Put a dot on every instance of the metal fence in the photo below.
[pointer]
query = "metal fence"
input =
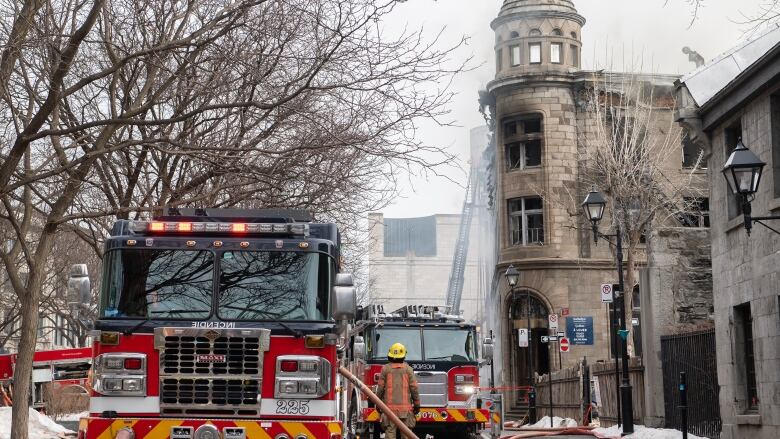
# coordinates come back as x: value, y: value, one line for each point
x: 694, y: 354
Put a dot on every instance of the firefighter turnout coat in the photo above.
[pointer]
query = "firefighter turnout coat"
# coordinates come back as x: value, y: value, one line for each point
x: 398, y: 389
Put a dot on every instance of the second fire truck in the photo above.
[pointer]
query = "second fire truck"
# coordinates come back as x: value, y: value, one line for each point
x: 442, y: 350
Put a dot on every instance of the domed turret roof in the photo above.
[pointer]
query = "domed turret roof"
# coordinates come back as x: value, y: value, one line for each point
x: 518, y: 6
x: 514, y: 9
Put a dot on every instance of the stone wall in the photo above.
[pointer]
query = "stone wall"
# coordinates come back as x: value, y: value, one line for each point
x: 746, y: 273
x: 675, y: 296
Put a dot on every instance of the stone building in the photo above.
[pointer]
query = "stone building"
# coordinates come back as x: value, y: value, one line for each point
x: 737, y: 96
x: 541, y: 131
x: 410, y: 261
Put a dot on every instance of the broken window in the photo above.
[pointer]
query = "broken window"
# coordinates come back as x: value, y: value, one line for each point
x: 535, y: 53
x: 692, y: 153
x: 555, y: 53
x: 526, y: 221
x: 523, y: 142
x: 697, y: 212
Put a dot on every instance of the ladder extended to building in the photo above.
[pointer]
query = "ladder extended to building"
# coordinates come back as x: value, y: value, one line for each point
x: 455, y: 286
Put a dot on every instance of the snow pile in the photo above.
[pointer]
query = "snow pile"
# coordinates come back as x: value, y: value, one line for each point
x: 40, y: 426
x: 73, y: 417
x: 557, y: 422
x: 642, y: 432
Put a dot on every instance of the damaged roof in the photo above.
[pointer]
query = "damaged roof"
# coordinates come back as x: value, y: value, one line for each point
x: 710, y: 79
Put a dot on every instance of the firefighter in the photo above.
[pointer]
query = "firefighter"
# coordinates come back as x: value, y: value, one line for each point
x: 398, y: 390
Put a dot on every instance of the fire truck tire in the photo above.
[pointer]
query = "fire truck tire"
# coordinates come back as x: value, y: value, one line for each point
x: 354, y: 428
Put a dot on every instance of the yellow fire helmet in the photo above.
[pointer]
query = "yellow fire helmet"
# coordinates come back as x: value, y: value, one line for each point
x: 397, y: 351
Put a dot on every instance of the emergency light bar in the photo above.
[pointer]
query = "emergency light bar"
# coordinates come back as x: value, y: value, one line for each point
x: 177, y: 227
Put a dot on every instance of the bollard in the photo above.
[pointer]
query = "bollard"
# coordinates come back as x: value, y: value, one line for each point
x: 684, y: 405
x: 496, y: 411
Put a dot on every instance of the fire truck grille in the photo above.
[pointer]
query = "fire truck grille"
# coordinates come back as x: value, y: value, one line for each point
x: 433, y: 388
x: 211, y: 372
x: 201, y: 356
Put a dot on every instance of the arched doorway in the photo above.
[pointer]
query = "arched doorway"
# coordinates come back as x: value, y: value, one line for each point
x: 519, y: 367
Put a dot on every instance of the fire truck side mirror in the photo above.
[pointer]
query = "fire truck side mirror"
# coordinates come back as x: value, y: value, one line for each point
x: 359, y: 348
x: 487, y: 349
x: 344, y: 298
x: 79, y: 287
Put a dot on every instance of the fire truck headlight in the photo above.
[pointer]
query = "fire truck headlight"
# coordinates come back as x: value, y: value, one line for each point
x: 120, y: 374
x: 308, y: 387
x: 310, y: 378
x: 132, y: 384
x: 464, y: 390
x: 111, y: 384
x: 288, y: 387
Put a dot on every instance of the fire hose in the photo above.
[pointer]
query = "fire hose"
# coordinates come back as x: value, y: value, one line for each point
x: 407, y: 432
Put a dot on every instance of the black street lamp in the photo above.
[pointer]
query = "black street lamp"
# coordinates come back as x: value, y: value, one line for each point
x: 512, y: 277
x: 743, y: 175
x: 594, y: 206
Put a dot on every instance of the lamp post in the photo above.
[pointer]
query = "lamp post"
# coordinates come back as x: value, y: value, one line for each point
x: 594, y: 206
x: 743, y: 175
x: 512, y: 277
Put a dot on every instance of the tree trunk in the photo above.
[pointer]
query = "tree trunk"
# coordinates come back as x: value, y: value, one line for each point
x: 628, y: 295
x: 24, y: 360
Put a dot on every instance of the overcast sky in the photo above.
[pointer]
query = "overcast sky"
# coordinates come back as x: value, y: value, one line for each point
x: 646, y: 29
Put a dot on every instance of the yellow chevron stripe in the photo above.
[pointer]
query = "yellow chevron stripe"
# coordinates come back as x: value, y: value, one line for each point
x: 496, y: 418
x: 115, y: 426
x: 334, y: 428
x: 479, y: 416
x: 163, y: 429
x: 296, y: 428
x: 253, y: 430
x: 456, y: 415
x: 373, y: 416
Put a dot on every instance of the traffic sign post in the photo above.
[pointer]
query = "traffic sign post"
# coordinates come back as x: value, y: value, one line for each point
x: 522, y: 337
x: 606, y: 293
x: 563, y: 344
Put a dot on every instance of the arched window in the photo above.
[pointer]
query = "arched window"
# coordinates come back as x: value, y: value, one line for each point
x: 574, y: 35
x: 534, y: 33
x: 513, y: 34
x: 557, y: 32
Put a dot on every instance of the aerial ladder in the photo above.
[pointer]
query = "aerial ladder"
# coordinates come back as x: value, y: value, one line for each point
x: 455, y: 286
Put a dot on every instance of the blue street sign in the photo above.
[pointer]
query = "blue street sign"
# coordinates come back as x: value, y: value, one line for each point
x: 579, y: 330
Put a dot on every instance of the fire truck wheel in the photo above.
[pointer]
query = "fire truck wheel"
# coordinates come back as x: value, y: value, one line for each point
x: 354, y: 424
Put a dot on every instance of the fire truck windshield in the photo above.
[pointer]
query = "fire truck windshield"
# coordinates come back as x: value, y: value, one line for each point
x: 266, y: 285
x: 427, y: 344
x: 141, y: 283
x: 252, y: 285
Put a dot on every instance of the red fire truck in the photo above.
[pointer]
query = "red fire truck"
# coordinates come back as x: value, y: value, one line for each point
x: 220, y: 323
x: 441, y: 349
x: 55, y: 369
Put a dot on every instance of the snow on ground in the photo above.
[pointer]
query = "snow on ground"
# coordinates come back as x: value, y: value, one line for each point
x: 73, y: 417
x: 557, y: 422
x: 642, y: 432
x: 40, y: 426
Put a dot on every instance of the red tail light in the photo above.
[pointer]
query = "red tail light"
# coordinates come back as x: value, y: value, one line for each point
x: 289, y: 366
x: 133, y: 363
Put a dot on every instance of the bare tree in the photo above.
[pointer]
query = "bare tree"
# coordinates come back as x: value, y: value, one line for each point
x: 631, y: 150
x: 115, y: 109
